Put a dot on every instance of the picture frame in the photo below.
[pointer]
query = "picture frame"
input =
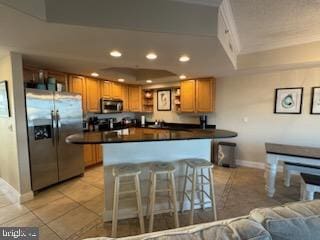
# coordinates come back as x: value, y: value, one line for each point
x: 315, y: 101
x: 288, y: 100
x: 164, y: 100
x: 4, y: 100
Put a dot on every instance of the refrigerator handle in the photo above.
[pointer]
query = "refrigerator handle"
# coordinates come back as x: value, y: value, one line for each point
x: 53, y: 126
x: 58, y: 125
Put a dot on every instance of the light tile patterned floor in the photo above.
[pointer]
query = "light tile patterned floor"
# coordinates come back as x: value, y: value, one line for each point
x: 72, y: 210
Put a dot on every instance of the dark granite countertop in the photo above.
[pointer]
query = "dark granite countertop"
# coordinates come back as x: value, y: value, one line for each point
x: 146, y: 134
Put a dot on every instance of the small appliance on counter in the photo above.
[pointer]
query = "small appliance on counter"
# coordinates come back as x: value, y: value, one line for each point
x: 203, y: 121
x: 111, y: 105
x: 107, y: 124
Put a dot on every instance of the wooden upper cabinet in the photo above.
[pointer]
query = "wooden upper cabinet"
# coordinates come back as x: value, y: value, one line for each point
x: 77, y: 84
x: 125, y: 97
x: 93, y: 94
x: 135, y: 98
x: 204, y: 95
x: 106, y: 88
x: 187, y: 97
x: 197, y: 95
x: 117, y: 92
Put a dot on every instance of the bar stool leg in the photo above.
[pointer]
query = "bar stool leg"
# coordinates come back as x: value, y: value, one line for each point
x: 213, y: 200
x: 149, y: 196
x: 115, y: 207
x: 153, y: 199
x: 184, y: 188
x: 202, y: 191
x: 174, y: 199
x: 169, y: 186
x: 139, y: 203
x: 193, y: 193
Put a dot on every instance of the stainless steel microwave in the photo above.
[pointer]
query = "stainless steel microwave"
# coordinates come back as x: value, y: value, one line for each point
x: 111, y: 105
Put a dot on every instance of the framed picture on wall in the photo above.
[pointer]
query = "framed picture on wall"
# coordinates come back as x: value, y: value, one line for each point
x: 315, y: 100
x: 4, y: 99
x: 164, y: 100
x: 288, y: 100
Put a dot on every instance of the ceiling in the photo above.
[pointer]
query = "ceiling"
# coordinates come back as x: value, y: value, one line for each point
x: 270, y: 24
x: 85, y: 49
x: 214, y: 3
x: 76, y: 36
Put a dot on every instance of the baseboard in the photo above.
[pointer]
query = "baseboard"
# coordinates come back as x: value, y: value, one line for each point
x: 250, y: 164
x: 257, y: 165
x: 14, y: 195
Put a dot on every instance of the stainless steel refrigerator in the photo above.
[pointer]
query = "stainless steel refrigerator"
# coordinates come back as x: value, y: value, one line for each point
x: 51, y: 117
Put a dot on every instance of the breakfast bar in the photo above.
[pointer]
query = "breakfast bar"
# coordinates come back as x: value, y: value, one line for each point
x: 144, y: 145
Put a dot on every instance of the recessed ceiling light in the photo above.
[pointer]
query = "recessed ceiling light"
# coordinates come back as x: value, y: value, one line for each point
x: 94, y: 74
x: 151, y: 56
x: 115, y: 53
x: 148, y: 81
x: 182, y: 76
x: 184, y: 58
x: 121, y: 80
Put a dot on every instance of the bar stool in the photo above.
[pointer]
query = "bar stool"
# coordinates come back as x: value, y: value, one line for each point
x: 129, y: 171
x: 197, y: 165
x: 161, y: 168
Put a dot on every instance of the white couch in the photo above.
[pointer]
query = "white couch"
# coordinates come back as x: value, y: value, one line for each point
x: 293, y: 221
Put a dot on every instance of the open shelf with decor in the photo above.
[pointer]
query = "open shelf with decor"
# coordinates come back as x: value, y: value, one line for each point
x: 176, y: 100
x: 147, y: 100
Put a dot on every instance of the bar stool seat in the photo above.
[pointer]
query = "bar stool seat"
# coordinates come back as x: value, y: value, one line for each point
x: 162, y: 167
x: 198, y: 163
x: 126, y: 170
x: 168, y: 169
x: 198, y: 187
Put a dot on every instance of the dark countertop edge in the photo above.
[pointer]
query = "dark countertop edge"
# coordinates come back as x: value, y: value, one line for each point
x: 292, y: 155
x: 145, y: 140
x: 158, y: 140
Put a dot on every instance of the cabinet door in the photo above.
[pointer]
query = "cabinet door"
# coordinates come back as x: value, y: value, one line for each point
x: 116, y: 90
x: 77, y: 84
x: 204, y: 95
x: 106, y: 89
x: 134, y: 98
x: 99, y: 155
x: 89, y: 155
x: 187, y: 96
x: 125, y: 97
x: 93, y: 94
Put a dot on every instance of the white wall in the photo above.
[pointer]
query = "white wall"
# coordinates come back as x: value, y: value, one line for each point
x: 14, y: 160
x: 252, y: 97
x: 9, y: 170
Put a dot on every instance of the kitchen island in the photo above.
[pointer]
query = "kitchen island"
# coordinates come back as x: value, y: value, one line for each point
x: 144, y: 145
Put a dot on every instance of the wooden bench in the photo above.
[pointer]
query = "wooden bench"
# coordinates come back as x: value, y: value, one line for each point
x: 290, y: 168
x: 310, y: 184
x: 287, y: 153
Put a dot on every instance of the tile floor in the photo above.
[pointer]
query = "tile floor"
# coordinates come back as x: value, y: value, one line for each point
x: 72, y: 210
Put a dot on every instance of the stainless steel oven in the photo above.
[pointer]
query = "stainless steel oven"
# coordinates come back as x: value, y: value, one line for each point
x: 111, y: 105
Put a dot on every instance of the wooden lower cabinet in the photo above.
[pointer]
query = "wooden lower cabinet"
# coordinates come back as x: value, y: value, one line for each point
x: 92, y: 155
